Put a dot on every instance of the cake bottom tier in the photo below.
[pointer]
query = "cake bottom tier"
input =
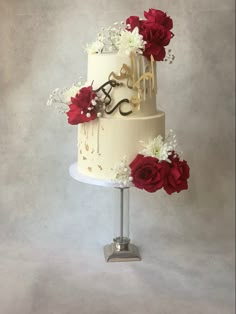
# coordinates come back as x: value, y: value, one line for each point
x: 103, y: 143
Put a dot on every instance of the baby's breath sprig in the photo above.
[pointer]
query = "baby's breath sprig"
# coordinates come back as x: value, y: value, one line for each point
x: 123, y: 173
x: 170, y: 57
x: 107, y: 39
x: 61, y: 98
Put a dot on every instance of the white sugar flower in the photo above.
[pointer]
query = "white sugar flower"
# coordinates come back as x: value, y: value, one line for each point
x: 131, y: 42
x: 160, y: 148
x: 96, y: 47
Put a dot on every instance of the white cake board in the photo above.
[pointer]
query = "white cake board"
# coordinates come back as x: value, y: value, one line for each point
x: 75, y: 174
x: 112, y: 252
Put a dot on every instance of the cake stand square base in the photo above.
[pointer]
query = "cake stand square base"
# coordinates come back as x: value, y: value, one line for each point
x: 113, y: 255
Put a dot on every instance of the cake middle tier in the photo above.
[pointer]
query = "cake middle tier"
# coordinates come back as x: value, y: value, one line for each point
x: 103, y: 143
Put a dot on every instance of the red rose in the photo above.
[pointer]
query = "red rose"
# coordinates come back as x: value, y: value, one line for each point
x: 84, y: 97
x: 148, y: 173
x: 156, y: 34
x: 76, y: 115
x: 155, y: 31
x: 134, y: 21
x: 178, y: 174
x: 158, y: 52
x: 159, y: 17
x: 79, y: 108
x: 156, y: 37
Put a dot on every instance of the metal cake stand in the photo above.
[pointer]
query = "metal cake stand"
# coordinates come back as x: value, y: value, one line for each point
x: 120, y: 250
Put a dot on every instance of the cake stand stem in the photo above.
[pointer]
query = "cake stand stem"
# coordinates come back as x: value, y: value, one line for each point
x: 121, y: 250
x: 121, y: 212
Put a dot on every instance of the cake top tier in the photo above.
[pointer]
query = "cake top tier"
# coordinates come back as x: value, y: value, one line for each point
x: 121, y: 65
x: 125, y: 85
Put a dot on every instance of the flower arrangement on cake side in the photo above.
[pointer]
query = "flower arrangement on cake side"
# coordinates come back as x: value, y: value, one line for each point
x: 157, y: 166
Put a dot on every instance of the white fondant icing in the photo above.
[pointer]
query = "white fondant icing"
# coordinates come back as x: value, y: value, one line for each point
x: 121, y: 137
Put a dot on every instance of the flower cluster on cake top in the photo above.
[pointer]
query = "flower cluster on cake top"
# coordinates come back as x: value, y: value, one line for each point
x: 147, y: 36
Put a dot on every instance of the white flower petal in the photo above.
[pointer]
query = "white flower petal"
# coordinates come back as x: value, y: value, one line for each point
x: 130, y: 42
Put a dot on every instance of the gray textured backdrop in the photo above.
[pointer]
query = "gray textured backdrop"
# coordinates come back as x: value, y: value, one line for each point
x: 52, y: 228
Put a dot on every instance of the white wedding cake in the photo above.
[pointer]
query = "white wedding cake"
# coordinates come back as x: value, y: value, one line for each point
x: 121, y: 132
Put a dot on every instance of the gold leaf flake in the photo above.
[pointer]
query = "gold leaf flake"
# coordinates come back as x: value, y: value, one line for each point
x: 89, y: 169
x: 84, y: 158
x: 87, y: 147
x: 100, y: 167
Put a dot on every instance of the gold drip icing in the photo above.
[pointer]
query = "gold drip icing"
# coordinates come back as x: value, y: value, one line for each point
x: 136, y: 81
